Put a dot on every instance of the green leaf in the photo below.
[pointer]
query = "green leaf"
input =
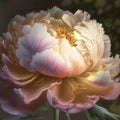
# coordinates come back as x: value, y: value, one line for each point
x: 100, y: 113
x: 68, y: 116
x: 105, y: 111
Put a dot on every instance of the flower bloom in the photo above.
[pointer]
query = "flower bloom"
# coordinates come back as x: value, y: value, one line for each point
x: 58, y: 55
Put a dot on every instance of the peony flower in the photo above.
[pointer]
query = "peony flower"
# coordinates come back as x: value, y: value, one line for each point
x: 57, y: 55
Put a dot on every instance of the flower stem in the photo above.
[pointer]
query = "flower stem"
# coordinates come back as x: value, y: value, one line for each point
x: 57, y: 112
x: 68, y: 116
x: 88, y: 115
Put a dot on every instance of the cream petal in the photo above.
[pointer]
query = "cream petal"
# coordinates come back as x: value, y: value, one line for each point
x: 107, y: 46
x: 81, y: 16
x: 111, y: 64
x: 73, y: 59
x: 69, y: 20
x: 35, y: 39
x: 57, y: 13
x: 92, y: 35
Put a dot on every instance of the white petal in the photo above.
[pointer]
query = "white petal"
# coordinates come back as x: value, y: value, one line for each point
x: 101, y: 78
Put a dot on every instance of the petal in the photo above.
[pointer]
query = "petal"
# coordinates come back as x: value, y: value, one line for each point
x: 87, y: 89
x: 73, y: 59
x: 81, y: 16
x: 101, y: 78
x: 62, y: 93
x: 111, y: 92
x: 70, y: 107
x: 69, y: 20
x: 112, y: 64
x: 49, y: 63
x: 16, y: 74
x: 107, y: 46
x: 13, y: 103
x: 99, y: 84
x: 35, y: 39
x: 92, y: 34
x: 34, y: 90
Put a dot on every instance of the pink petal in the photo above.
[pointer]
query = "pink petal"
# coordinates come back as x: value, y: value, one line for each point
x: 49, y: 63
x: 112, y: 92
x: 13, y: 103
x: 71, y: 107
x: 107, y: 88
x: 35, y: 39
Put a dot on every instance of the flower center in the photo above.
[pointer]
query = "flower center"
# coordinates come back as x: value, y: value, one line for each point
x: 62, y: 32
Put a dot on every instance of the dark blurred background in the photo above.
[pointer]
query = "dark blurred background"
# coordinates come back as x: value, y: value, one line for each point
x: 106, y: 12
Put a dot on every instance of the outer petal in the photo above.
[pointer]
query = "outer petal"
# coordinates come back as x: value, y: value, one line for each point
x: 34, y: 90
x: 17, y: 75
x: 81, y: 16
x: 102, y: 85
x: 13, y: 103
x: 87, y: 89
x: 62, y: 93
x: 71, y: 107
x: 112, y: 64
x: 107, y: 47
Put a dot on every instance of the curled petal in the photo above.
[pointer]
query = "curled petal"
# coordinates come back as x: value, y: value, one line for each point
x: 34, y: 90
x: 71, y: 106
x: 15, y: 74
x: 102, y: 85
x: 62, y: 93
